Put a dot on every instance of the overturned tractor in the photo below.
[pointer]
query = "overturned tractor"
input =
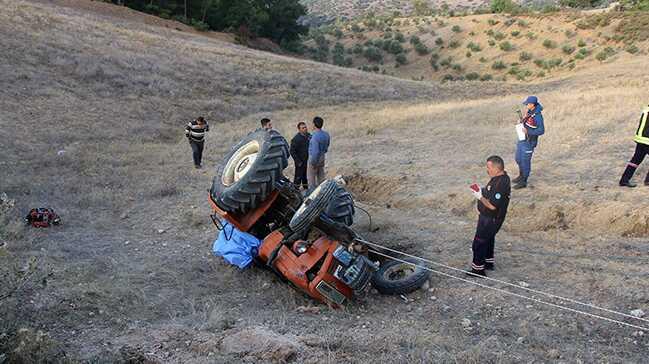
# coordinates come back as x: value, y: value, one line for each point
x: 308, y: 241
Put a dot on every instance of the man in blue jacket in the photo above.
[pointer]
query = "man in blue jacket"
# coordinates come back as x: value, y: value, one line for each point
x: 318, y: 147
x: 533, y: 128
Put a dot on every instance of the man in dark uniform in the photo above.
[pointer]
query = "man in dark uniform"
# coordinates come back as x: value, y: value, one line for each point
x: 493, y: 201
x: 300, y: 154
x: 641, y: 150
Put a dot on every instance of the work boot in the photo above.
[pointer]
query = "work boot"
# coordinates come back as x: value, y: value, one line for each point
x: 520, y: 184
x: 489, y: 266
x: 473, y: 273
x: 519, y: 178
x: 197, y: 166
x: 625, y: 181
x: 646, y: 180
x: 630, y: 184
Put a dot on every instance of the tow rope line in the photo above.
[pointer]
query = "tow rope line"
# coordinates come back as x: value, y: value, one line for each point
x: 562, y: 307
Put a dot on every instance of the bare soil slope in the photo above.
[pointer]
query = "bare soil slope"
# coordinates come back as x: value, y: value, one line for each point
x: 91, y: 114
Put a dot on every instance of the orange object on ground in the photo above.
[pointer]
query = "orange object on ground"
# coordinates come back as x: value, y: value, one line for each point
x: 245, y: 222
x: 311, y: 271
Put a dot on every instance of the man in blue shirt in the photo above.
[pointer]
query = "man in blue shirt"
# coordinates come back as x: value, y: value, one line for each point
x: 533, y: 128
x: 318, y: 147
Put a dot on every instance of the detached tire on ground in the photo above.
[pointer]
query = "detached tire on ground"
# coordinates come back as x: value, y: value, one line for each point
x: 313, y: 205
x: 341, y: 208
x: 394, y: 277
x: 249, y: 171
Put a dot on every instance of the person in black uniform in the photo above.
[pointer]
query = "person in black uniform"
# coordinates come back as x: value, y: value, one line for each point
x: 195, y: 133
x: 493, y: 201
x: 641, y: 139
x: 300, y: 154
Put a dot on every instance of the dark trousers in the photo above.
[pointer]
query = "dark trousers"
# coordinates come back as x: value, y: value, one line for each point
x: 197, y: 151
x: 484, y: 241
x: 300, y: 176
x: 641, y: 150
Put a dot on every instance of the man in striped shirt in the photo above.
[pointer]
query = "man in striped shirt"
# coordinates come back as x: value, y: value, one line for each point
x: 195, y: 132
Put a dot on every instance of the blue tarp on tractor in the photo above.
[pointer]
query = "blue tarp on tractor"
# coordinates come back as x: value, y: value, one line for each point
x: 236, y: 247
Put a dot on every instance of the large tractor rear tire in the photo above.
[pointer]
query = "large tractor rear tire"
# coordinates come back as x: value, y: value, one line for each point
x: 249, y: 171
x: 341, y: 208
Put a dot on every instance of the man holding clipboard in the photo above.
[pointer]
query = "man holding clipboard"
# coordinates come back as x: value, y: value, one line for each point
x: 528, y: 130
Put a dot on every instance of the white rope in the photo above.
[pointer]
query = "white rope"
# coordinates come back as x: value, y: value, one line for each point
x: 515, y: 294
x: 510, y: 284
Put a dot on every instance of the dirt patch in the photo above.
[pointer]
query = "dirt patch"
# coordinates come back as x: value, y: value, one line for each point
x: 261, y: 344
x: 374, y: 188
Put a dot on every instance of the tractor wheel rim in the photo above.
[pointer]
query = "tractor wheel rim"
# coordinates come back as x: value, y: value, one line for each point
x: 307, y: 201
x: 240, y: 163
x: 399, y: 272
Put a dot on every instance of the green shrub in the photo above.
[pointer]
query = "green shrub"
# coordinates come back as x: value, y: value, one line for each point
x: 399, y: 37
x: 199, y: 25
x: 525, y: 56
x: 357, y: 49
x: 604, y: 54
x: 499, y: 36
x: 503, y: 6
x: 515, y: 33
x: 530, y: 35
x: 540, y: 74
x: 448, y: 78
x: 482, y: 60
x: 490, y: 32
x: 446, y: 62
x: 439, y: 41
x: 356, y: 28
x: 491, y: 42
x: 486, y: 77
x: 338, y: 33
x: 633, y: 49
x: 387, y: 35
x: 474, y: 47
x: 414, y: 40
x: 522, y: 23
x: 509, y: 22
x: 456, y: 28
x: 506, y: 46
x: 454, y: 44
x: 468, y: 54
x: 472, y: 76
x: 421, y: 49
x: 492, y: 22
x: 550, y: 44
x: 373, y: 54
x: 499, y: 65
x: 539, y: 62
x: 395, y: 48
x: 401, y: 59
x: 568, y: 49
x: 457, y: 67
x: 581, y: 43
x: 579, y: 3
x: 584, y: 51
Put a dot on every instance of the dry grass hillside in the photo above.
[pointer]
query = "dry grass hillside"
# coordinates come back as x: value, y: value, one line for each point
x: 92, y: 107
x: 484, y: 47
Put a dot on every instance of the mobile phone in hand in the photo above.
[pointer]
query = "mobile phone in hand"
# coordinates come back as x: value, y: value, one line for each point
x: 475, y: 187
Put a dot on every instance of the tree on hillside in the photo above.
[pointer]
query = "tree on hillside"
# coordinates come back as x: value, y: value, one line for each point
x: 421, y: 7
x: 275, y: 19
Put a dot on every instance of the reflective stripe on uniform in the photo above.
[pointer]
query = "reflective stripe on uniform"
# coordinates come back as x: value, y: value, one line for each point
x: 642, y: 134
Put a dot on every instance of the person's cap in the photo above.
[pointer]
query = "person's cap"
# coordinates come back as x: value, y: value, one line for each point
x: 531, y: 100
